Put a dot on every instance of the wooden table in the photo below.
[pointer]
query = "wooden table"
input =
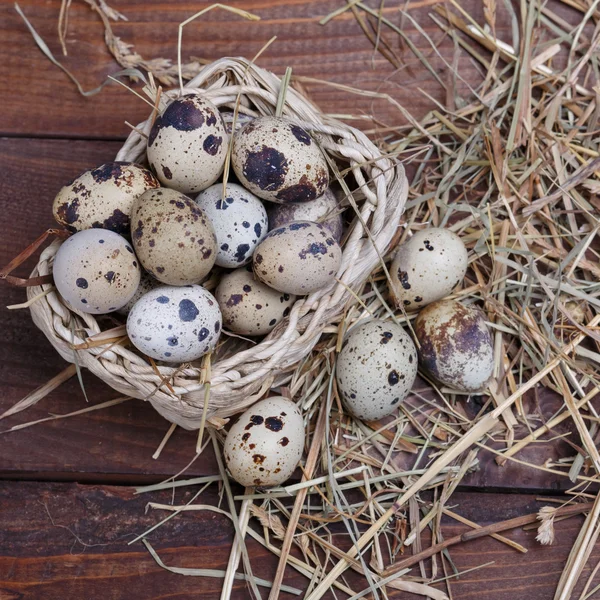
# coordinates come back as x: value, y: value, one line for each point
x: 67, y: 510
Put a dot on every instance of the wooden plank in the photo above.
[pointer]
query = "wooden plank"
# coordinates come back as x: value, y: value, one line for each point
x: 71, y: 541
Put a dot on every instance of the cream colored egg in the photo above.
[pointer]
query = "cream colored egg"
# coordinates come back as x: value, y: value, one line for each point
x: 279, y: 161
x: 173, y: 238
x: 102, y: 197
x: 456, y: 345
x: 427, y: 268
x: 250, y: 307
x: 188, y: 144
x: 376, y: 369
x: 96, y: 271
x: 264, y: 446
x: 299, y: 258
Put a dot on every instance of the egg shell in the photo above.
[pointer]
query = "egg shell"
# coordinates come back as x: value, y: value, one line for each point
x: 239, y: 220
x: 265, y: 445
x: 147, y: 284
x: 250, y: 307
x: 323, y: 210
x: 102, y: 197
x: 299, y: 258
x: 96, y: 271
x: 456, y: 345
x: 376, y: 369
x: 279, y: 161
x: 427, y: 268
x: 173, y: 237
x: 175, y: 324
x: 188, y: 144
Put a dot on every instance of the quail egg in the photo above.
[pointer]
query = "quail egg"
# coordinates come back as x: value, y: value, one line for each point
x: 249, y: 307
x: 376, y: 369
x: 188, y: 144
x: 102, y: 197
x: 456, y: 345
x: 265, y: 445
x: 279, y: 161
x: 239, y: 220
x: 96, y: 271
x: 427, y: 268
x: 147, y: 283
x: 299, y: 258
x: 175, y: 324
x: 172, y: 236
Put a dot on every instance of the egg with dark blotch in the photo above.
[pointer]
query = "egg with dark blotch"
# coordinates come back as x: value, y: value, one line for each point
x: 239, y: 220
x: 299, y: 258
x: 102, y: 198
x: 250, y: 307
x: 173, y: 237
x: 324, y: 210
x: 376, y: 369
x: 427, y: 268
x: 188, y: 144
x: 147, y: 284
x: 279, y: 161
x: 96, y: 271
x: 455, y: 345
x: 175, y: 324
x: 265, y: 444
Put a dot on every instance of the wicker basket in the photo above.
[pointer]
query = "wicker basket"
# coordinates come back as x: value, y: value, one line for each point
x: 239, y: 378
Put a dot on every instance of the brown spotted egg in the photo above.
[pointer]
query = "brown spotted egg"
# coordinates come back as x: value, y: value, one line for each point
x: 175, y: 324
x: 427, y: 268
x: 188, y: 144
x: 324, y: 209
x: 102, y: 197
x: 279, y: 161
x: 147, y: 284
x: 376, y: 369
x: 96, y: 271
x: 173, y: 238
x: 250, y: 307
x: 455, y: 345
x: 298, y: 258
x: 264, y: 446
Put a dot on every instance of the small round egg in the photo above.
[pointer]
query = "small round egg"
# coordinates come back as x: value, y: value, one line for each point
x: 264, y: 446
x: 456, y: 345
x: 299, y: 258
x: 175, y: 324
x: 188, y: 144
x: 96, y: 271
x: 147, y: 283
x: 173, y: 237
x: 376, y: 369
x: 250, y: 307
x: 239, y: 220
x: 102, y: 197
x: 427, y: 268
x: 279, y: 161
x: 323, y: 210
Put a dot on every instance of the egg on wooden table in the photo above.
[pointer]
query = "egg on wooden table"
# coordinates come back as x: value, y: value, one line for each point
x: 265, y: 444
x: 376, y: 369
x: 96, y: 271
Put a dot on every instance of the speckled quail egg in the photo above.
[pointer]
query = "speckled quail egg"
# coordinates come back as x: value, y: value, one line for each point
x: 96, y: 271
x: 147, y: 283
x: 239, y: 220
x: 299, y: 258
x: 376, y: 369
x: 265, y: 445
x: 188, y: 144
x: 175, y: 324
x: 279, y: 161
x: 324, y: 209
x: 427, y: 268
x: 250, y: 307
x: 102, y: 197
x: 172, y: 236
x: 456, y: 345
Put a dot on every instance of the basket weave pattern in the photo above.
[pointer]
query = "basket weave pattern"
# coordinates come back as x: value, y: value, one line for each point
x: 241, y: 378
